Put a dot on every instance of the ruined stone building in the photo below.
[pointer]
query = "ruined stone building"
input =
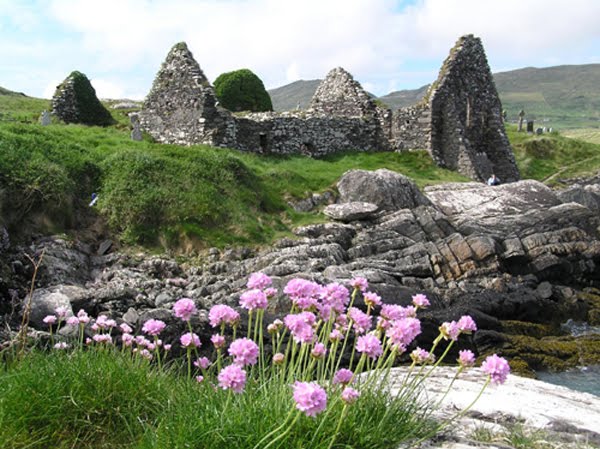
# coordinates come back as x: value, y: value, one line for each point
x: 459, y: 122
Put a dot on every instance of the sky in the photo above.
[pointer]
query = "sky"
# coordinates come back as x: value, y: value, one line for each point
x: 387, y: 45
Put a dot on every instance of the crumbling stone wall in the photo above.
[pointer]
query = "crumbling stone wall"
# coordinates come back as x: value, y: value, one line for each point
x: 467, y: 132
x: 459, y: 123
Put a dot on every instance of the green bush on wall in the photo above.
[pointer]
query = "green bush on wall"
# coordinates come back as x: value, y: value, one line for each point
x: 242, y: 90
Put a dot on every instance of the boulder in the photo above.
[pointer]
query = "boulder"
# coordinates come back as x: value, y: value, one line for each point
x: 387, y: 189
x: 45, y: 301
x: 355, y: 210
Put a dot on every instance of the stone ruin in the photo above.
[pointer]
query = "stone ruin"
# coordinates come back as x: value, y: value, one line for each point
x: 459, y: 121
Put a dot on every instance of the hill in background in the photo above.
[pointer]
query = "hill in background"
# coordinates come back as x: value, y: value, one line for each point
x: 565, y: 96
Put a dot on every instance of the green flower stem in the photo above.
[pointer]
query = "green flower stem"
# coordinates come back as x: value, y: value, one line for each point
x: 157, y: 351
x: 339, y: 425
x: 278, y: 430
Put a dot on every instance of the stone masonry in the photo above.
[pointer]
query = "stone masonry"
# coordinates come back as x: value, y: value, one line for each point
x: 459, y: 122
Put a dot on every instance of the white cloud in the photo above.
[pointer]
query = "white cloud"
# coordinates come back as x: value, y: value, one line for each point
x: 378, y: 41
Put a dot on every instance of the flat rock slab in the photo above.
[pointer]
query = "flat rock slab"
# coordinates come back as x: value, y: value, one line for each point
x: 355, y: 210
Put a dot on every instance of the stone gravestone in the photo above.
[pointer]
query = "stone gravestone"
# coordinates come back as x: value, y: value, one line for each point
x: 136, y: 132
x: 530, y: 126
x: 539, y: 131
x: 521, y: 116
x: 45, y: 119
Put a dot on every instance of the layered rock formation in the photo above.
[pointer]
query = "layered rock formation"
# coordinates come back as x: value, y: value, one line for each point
x: 460, y: 124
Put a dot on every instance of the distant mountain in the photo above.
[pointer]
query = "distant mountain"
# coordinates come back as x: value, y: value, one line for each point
x: 288, y: 97
x: 563, y: 96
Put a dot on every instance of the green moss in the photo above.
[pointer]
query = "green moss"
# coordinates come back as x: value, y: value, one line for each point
x: 528, y: 329
x: 592, y: 299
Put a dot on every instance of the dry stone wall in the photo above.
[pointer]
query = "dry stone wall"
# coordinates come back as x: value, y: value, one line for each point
x: 460, y: 124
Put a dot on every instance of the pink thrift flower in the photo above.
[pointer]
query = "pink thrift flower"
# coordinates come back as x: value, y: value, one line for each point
x: 83, y: 317
x: 127, y: 339
x: 223, y: 314
x: 466, y: 358
x: 402, y: 332
x: 359, y: 283
x: 420, y: 301
x: 199, y: 379
x: 334, y: 297
x: 125, y: 328
x: 73, y: 321
x: 350, y: 395
x: 61, y: 311
x: 361, y: 322
x: 278, y: 358
x: 102, y: 338
x: 50, y: 319
x: 232, y: 377
x: 304, y: 294
x: 319, y: 351
x: 259, y: 280
x: 61, y: 345
x: 420, y: 356
x: 497, y: 368
x: 218, y: 341
x: 167, y: 347
x: 140, y: 340
x: 184, y: 309
x: 343, y: 376
x: 370, y: 345
x: 450, y: 330
x: 202, y: 363
x: 372, y: 299
x: 153, y: 327
x: 244, y: 351
x: 146, y: 354
x: 270, y: 292
x: 310, y: 398
x: 103, y: 322
x: 335, y: 335
x: 190, y: 340
x: 466, y: 325
x: 301, y: 326
x: 275, y: 326
x: 253, y: 300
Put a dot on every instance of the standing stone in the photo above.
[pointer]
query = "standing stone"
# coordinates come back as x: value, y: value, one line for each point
x: 530, y: 126
x: 521, y: 117
x: 45, y: 119
x: 136, y: 132
x: 467, y: 132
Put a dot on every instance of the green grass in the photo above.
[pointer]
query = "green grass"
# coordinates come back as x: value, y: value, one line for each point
x: 591, y: 135
x: 104, y: 399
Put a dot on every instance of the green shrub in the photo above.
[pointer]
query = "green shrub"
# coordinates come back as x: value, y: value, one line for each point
x: 242, y: 90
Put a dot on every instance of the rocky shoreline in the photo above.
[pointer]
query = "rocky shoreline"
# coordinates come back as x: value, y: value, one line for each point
x: 515, y: 256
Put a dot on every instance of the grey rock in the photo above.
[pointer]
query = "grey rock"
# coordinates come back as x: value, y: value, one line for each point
x: 387, y: 189
x: 588, y: 196
x: 45, y: 301
x: 351, y: 211
x: 104, y: 247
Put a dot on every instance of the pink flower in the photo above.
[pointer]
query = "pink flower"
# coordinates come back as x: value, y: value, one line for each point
x: 301, y: 326
x: 125, y: 328
x: 278, y: 358
x: 127, y: 339
x: 153, y: 327
x: 254, y: 299
x: 466, y: 358
x: 421, y: 356
x: 50, y: 319
x: 61, y: 345
x: 102, y: 338
x: 222, y: 314
x: 335, y: 335
x: 218, y: 341
x: 83, y: 317
x: 103, y: 322
x: 350, y: 395
x: 466, y: 324
x: 310, y: 398
x: 184, y: 309
x: 199, y: 379
x: 140, y: 340
x: 202, y: 363
x: 61, y: 311
x: 359, y: 283
x: 167, y: 347
x: 275, y: 326
x: 402, y: 332
x: 420, y: 301
x: 270, y: 292
x: 372, y: 299
x: 361, y: 322
x: 73, y: 321
x: 497, y: 368
x: 450, y: 330
x: 190, y: 340
x: 232, y: 377
x: 145, y: 353
x: 370, y: 345
x: 244, y: 351
x: 343, y: 376
x: 304, y: 294
x: 319, y: 351
x: 334, y: 297
x: 259, y: 280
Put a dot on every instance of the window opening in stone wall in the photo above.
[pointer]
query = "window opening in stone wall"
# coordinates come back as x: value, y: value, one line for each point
x: 263, y: 142
x: 307, y: 148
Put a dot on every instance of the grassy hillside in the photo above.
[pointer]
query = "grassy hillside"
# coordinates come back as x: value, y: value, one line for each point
x: 190, y: 197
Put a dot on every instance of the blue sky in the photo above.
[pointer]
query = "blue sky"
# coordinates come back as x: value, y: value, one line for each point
x: 386, y: 44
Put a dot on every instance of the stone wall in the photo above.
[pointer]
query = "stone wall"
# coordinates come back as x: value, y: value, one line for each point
x: 467, y: 132
x: 460, y: 123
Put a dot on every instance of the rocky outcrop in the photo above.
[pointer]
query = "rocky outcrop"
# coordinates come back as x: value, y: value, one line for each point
x: 75, y: 101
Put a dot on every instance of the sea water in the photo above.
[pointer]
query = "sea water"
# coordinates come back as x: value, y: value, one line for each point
x: 584, y: 378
